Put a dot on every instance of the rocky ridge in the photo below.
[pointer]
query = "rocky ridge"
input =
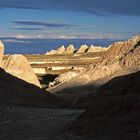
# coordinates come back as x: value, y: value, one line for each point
x: 119, y: 56
x: 63, y: 78
x: 82, y: 49
x: 70, y: 49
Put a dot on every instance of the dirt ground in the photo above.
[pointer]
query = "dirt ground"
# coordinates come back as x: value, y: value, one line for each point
x: 37, y: 123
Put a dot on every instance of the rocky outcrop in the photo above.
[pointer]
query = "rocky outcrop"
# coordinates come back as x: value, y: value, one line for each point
x: 132, y: 57
x: 60, y: 68
x: 115, y: 58
x: 60, y: 50
x: 63, y: 78
x: 1, y: 51
x: 51, y: 52
x: 93, y: 48
x: 120, y: 55
x: 82, y: 49
x: 70, y: 49
x: 19, y: 66
x: 119, y: 50
x: 79, y: 69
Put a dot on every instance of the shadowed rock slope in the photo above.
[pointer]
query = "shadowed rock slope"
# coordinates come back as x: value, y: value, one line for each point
x: 114, y: 112
x: 14, y: 91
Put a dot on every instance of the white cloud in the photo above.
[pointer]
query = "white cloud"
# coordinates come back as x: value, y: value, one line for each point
x: 15, y: 41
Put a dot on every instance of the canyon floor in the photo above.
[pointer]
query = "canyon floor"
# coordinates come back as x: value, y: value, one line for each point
x: 20, y: 123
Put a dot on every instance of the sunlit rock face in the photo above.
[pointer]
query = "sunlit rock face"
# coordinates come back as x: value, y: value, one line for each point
x: 63, y: 78
x: 82, y: 49
x: 70, y: 49
x: 60, y: 50
x: 50, y: 52
x: 1, y: 51
x: 18, y: 66
x: 119, y: 56
x: 93, y: 48
x: 119, y: 50
x: 39, y: 70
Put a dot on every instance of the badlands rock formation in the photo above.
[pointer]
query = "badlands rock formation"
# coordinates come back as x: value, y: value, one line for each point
x: 118, y: 51
x: 115, y: 57
x: 1, y: 51
x: 63, y: 78
x: 51, y: 52
x: 82, y: 49
x: 93, y: 48
x: 70, y: 49
x: 120, y: 55
x: 60, y: 50
x: 19, y: 66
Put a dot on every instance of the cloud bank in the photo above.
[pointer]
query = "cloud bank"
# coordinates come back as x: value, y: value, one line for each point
x: 27, y: 29
x: 39, y: 23
x: 96, y: 7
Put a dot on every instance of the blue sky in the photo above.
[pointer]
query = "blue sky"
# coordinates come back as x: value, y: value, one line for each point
x: 68, y: 19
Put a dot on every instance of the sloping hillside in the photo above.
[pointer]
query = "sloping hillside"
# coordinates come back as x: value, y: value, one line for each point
x: 114, y: 112
x: 14, y: 91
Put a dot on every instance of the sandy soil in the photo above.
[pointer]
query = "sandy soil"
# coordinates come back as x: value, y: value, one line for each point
x: 36, y: 123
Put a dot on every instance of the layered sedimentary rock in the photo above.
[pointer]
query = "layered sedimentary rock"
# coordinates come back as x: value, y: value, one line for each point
x: 19, y: 66
x: 93, y: 48
x: 115, y: 58
x: 132, y: 57
x: 119, y: 50
x: 82, y: 49
x: 51, y: 52
x: 120, y: 55
x: 60, y: 50
x: 63, y: 78
x: 1, y: 51
x: 70, y: 49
